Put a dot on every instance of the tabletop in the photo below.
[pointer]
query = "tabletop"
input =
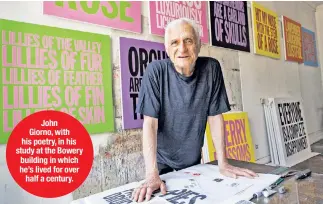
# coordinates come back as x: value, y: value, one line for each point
x: 307, y: 191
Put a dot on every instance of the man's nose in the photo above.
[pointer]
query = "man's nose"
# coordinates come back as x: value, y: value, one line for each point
x: 182, y: 47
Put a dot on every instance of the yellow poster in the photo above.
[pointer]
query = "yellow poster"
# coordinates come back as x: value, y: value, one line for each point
x: 265, y: 31
x: 238, y: 139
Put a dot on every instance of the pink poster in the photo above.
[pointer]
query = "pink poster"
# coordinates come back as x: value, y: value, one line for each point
x: 123, y: 15
x: 162, y: 12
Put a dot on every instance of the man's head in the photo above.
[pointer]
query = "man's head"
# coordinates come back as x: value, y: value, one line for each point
x: 183, y: 43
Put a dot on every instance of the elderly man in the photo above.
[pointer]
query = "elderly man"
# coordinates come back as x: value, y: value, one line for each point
x: 178, y: 96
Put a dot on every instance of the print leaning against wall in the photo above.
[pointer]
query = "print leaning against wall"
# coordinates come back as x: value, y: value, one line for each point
x: 229, y: 25
x: 292, y: 139
x: 44, y: 67
x: 122, y: 15
x: 238, y: 139
x: 135, y: 55
x: 163, y: 12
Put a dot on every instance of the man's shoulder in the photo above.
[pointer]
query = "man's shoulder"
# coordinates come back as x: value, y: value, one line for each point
x: 209, y: 61
x: 209, y: 65
x: 159, y: 63
x: 157, y: 66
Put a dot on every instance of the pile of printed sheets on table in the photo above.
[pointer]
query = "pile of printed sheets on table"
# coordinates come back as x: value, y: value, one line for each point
x: 200, y: 184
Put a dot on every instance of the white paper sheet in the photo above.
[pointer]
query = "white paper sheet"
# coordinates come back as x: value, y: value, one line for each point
x: 201, y: 184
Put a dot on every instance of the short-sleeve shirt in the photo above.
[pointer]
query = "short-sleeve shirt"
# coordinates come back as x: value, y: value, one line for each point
x: 182, y: 105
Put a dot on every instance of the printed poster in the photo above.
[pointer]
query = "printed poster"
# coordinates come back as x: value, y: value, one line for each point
x: 238, y: 139
x: 309, y: 48
x: 291, y: 121
x: 135, y: 55
x: 265, y: 31
x: 229, y: 25
x: 199, y: 184
x: 292, y: 139
x: 122, y: 15
x: 58, y: 69
x: 163, y: 12
x: 292, y: 40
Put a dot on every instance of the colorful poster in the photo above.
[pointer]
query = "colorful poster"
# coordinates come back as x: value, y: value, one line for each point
x: 163, y: 12
x: 238, y: 140
x: 229, y: 25
x: 287, y: 131
x: 135, y: 55
x: 265, y: 31
x: 292, y: 40
x: 293, y: 128
x: 52, y: 68
x: 309, y: 48
x: 122, y: 15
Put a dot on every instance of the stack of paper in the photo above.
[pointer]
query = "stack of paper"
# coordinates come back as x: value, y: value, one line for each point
x: 201, y: 184
x: 286, y: 131
x: 272, y: 132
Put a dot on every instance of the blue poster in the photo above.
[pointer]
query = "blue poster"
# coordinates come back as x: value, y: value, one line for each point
x: 309, y: 48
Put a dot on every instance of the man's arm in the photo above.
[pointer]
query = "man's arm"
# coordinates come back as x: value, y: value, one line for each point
x: 149, y: 143
x: 153, y: 181
x: 217, y: 132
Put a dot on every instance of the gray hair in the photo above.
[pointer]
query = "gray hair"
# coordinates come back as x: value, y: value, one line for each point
x: 179, y: 21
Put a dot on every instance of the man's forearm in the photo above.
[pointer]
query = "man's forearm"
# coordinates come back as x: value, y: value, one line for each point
x: 150, y: 146
x: 217, y: 132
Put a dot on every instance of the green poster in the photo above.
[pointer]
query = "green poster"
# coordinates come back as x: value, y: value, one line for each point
x: 47, y: 68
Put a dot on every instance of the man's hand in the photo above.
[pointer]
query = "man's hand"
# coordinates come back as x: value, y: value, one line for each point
x: 145, y: 190
x: 233, y: 172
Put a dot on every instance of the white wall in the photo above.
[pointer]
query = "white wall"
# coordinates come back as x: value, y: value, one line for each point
x: 263, y: 77
x: 319, y: 44
x: 319, y: 36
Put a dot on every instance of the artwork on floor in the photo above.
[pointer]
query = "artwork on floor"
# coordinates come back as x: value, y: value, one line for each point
x: 238, y: 139
x: 287, y: 131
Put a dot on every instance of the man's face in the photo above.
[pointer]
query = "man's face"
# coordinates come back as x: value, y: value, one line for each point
x: 182, y: 47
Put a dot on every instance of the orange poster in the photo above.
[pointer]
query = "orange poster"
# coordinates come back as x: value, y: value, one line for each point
x: 292, y: 40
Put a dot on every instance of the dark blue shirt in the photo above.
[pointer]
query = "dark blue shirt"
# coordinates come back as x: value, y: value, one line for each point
x: 181, y: 105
